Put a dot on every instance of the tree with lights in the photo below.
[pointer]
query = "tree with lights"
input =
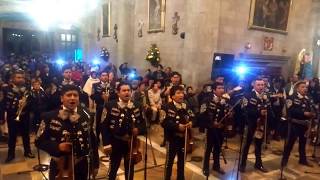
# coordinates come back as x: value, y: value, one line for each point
x: 104, y: 54
x: 153, y: 55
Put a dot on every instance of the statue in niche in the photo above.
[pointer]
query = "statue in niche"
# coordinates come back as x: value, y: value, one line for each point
x: 175, y: 19
x: 140, y: 25
x: 157, y: 12
x: 115, y: 34
x: 98, y: 34
x: 303, y: 66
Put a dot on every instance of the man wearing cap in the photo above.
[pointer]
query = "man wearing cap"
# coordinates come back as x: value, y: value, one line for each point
x: 300, y: 114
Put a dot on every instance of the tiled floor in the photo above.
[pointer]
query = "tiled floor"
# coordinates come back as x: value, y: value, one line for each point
x: 21, y: 168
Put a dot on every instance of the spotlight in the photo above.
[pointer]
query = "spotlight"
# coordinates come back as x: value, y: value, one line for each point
x: 132, y: 75
x: 96, y: 62
x: 241, y: 70
x: 60, y: 62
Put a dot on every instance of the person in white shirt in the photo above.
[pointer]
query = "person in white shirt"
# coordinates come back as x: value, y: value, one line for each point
x: 88, y: 87
x: 155, y: 100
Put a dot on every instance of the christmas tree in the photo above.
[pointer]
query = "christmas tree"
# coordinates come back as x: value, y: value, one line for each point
x: 153, y: 55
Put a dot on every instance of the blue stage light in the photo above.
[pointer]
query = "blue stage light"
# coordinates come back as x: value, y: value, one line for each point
x: 60, y: 62
x: 241, y: 70
x: 132, y: 75
x: 96, y: 62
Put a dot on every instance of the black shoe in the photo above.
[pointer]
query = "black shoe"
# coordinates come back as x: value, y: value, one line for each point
x: 9, y: 158
x: 261, y: 168
x: 29, y: 155
x: 305, y: 163
x: 277, y: 138
x: 219, y: 170
x: 284, y: 163
x: 242, y: 169
x: 3, y: 139
x: 205, y: 172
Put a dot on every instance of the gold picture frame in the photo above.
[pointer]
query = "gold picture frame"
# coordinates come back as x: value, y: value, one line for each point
x: 156, y: 15
x: 106, y: 19
x: 270, y: 15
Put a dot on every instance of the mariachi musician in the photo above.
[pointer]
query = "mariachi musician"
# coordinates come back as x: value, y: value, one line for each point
x: 55, y: 102
x: 256, y: 105
x: 15, y: 103
x: 123, y: 123
x: 100, y: 96
x: 300, y: 114
x: 215, y: 113
x: 66, y: 134
x: 177, y: 124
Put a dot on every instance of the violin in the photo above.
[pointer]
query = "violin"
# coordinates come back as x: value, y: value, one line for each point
x: 261, y: 128
x: 65, y: 164
x: 189, y: 146
x: 134, y: 154
x: 189, y: 137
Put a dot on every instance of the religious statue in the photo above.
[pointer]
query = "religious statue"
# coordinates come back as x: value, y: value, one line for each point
x: 175, y: 19
x: 98, y: 34
x: 140, y: 25
x: 115, y: 34
x: 304, y: 65
x: 157, y: 12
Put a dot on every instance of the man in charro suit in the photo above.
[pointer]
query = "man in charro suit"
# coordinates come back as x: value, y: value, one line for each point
x: 300, y: 114
x: 55, y: 102
x: 212, y: 111
x: 66, y: 130
x: 15, y: 96
x: 255, y: 105
x: 178, y: 120
x: 100, y: 96
x: 123, y: 121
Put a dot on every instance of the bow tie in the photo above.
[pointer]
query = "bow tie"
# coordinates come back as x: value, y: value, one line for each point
x: 123, y: 105
x: 65, y: 82
x: 19, y: 89
x: 65, y: 114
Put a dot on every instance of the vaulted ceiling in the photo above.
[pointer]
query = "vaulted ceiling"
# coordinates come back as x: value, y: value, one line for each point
x: 13, y: 10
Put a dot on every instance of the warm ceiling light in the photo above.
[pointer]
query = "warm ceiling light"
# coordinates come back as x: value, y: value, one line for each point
x: 59, y: 13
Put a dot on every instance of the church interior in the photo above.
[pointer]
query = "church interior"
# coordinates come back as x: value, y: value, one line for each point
x: 206, y: 44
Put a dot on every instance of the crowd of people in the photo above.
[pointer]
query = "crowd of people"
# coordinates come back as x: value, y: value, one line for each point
x: 110, y: 109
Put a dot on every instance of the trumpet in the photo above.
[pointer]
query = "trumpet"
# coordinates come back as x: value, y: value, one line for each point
x: 104, y: 111
x: 22, y: 104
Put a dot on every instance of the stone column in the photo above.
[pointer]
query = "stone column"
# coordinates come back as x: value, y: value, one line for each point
x: 316, y: 31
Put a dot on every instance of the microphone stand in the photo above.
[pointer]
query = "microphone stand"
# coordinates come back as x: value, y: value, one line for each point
x: 285, y: 143
x: 316, y: 141
x: 40, y: 167
x: 130, y: 158
x: 146, y: 148
x: 244, y: 135
x: 282, y: 177
x: 90, y: 168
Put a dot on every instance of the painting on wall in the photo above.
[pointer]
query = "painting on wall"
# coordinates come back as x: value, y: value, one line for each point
x: 156, y: 15
x: 270, y: 15
x: 106, y: 19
